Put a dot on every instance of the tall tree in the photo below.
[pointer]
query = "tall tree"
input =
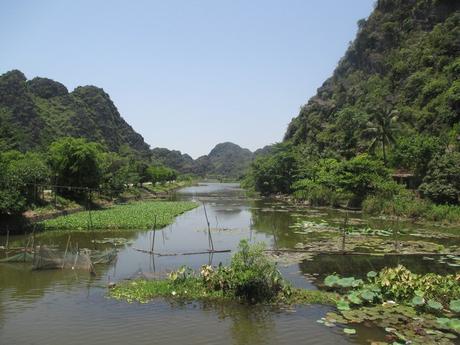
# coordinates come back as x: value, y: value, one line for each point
x: 381, y: 128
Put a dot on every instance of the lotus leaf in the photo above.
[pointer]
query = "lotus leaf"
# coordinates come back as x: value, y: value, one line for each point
x: 331, y: 280
x: 346, y: 282
x: 454, y: 305
x: 371, y: 274
x: 418, y: 301
x: 354, y: 298
x: 434, y: 304
x: 343, y: 305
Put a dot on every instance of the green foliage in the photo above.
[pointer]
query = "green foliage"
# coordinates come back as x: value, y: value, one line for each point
x: 76, y: 163
x: 160, y: 174
x: 442, y: 182
x: 414, y: 152
x: 430, y: 291
x: 256, y: 278
x: 19, y: 176
x: 250, y: 277
x: 330, y: 181
x: 134, y: 216
x: 274, y: 173
x: 454, y: 305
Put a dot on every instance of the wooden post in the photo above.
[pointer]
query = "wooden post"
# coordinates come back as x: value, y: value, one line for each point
x: 211, y: 243
x: 90, y: 219
x: 396, y: 231
x: 154, y: 232
x: 275, y: 240
x: 344, y: 232
x: 7, y: 237
x: 396, y: 235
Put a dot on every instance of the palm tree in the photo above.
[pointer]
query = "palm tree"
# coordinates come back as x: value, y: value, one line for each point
x: 381, y: 129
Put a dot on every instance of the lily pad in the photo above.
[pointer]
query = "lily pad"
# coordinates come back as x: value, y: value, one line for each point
x: 349, y: 331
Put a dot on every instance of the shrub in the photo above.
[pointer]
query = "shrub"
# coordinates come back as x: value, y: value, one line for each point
x: 442, y: 183
x: 255, y: 278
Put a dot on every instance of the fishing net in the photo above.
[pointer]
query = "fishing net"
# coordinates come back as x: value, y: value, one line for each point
x: 46, y: 257
x: 82, y: 259
x: 20, y: 257
x: 104, y: 257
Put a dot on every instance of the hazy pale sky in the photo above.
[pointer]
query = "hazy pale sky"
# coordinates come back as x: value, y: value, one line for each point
x: 186, y: 74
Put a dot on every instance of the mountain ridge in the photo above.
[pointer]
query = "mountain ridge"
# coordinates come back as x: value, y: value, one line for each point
x: 35, y: 112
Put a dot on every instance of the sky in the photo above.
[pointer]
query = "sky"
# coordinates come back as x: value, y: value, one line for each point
x: 186, y: 74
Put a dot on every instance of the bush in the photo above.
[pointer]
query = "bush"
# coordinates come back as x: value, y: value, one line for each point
x: 254, y: 278
x: 316, y: 194
x: 250, y: 276
x: 442, y: 183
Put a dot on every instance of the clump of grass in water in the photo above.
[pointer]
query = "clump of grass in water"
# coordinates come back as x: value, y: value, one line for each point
x: 250, y: 278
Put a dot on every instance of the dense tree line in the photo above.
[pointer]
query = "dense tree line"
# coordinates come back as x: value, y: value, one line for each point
x: 72, y: 167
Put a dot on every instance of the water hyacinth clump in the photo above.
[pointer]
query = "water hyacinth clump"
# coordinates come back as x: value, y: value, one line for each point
x: 250, y: 278
x: 133, y: 216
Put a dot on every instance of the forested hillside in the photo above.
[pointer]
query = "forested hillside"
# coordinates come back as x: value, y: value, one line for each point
x: 403, y: 63
x: 34, y: 113
x: 225, y: 160
x: 390, y: 109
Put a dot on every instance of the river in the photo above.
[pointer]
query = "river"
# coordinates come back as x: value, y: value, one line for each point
x: 71, y: 307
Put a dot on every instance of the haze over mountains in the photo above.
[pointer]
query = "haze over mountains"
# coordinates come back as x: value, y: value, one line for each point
x: 34, y: 113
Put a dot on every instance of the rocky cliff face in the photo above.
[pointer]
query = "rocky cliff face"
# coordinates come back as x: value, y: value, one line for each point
x: 36, y: 112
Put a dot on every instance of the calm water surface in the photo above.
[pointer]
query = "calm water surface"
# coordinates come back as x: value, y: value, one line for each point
x: 70, y: 307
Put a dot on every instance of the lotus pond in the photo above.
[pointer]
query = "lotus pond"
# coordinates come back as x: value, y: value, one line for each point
x: 50, y: 307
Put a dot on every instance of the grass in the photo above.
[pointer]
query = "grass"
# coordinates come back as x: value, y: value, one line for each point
x: 132, y: 216
x: 144, y: 291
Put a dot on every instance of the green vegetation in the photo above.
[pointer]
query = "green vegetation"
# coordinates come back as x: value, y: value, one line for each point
x: 411, y: 307
x: 75, y: 170
x: 250, y: 278
x: 133, y: 216
x: 226, y: 160
x: 34, y: 113
x: 384, y: 129
x: 75, y: 162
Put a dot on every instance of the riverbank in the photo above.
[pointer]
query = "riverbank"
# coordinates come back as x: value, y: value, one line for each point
x: 413, y: 210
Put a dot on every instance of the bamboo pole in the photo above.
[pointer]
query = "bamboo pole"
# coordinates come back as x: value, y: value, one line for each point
x: 211, y: 243
x: 154, y: 232
x: 65, y: 253
x: 184, y: 253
